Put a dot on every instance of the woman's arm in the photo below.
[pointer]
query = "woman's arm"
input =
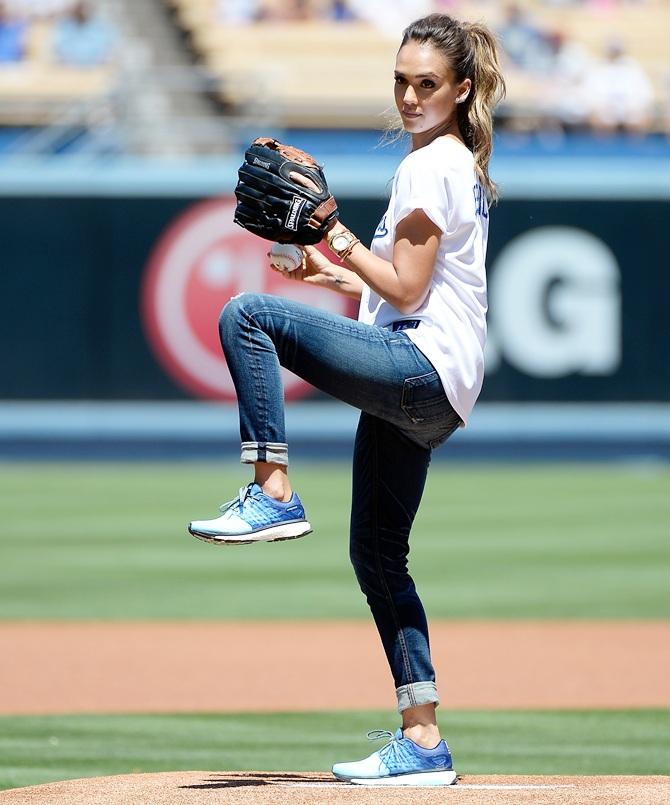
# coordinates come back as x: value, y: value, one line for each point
x: 405, y: 282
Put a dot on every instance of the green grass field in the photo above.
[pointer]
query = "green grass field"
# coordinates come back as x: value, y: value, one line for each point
x: 108, y: 541
x: 37, y: 750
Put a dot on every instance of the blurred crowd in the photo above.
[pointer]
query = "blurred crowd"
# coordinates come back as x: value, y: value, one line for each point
x: 236, y: 11
x: 555, y: 81
x: 66, y: 32
x: 573, y: 87
x: 241, y: 11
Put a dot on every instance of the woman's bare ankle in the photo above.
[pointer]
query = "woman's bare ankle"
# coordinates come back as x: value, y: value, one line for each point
x: 420, y: 725
x: 273, y: 480
x: 426, y: 736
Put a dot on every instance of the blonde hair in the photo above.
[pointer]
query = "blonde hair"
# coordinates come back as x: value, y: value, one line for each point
x: 471, y: 50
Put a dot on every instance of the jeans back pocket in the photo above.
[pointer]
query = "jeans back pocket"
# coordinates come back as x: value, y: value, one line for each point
x: 423, y: 398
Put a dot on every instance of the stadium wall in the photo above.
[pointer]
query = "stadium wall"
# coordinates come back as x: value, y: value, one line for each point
x: 110, y: 277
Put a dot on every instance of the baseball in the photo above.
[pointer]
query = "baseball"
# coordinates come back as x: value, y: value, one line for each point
x: 285, y: 256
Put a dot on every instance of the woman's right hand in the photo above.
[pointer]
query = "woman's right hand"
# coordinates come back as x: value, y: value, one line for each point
x: 317, y: 269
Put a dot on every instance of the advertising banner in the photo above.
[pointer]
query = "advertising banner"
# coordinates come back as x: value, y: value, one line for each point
x: 117, y: 298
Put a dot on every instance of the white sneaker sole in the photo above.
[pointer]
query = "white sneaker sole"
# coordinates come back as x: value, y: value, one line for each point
x: 427, y: 778
x: 276, y: 533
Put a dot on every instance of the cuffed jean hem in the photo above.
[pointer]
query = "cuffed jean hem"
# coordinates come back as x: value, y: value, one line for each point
x: 270, y: 452
x: 415, y: 694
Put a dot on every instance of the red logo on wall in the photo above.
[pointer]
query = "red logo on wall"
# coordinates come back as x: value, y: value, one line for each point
x: 200, y: 261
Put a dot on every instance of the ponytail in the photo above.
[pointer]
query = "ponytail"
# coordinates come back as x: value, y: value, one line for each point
x: 471, y: 50
x: 476, y: 117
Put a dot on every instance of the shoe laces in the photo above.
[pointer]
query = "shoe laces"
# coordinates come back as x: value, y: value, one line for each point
x: 392, y: 748
x: 238, y: 502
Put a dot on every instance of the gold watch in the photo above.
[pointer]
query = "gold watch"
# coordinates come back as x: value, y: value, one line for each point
x: 341, y: 243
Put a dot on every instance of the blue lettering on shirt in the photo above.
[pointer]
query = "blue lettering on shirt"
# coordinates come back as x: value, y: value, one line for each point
x: 382, y: 229
x: 481, y: 205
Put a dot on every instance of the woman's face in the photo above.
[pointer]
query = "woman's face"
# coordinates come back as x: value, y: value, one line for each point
x: 425, y: 89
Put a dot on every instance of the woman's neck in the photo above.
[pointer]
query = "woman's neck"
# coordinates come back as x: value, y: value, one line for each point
x: 449, y: 129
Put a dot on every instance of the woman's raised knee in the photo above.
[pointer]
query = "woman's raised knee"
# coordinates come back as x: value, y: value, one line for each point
x: 238, y: 308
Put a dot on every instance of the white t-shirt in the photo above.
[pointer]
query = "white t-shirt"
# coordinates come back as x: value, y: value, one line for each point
x: 440, y: 179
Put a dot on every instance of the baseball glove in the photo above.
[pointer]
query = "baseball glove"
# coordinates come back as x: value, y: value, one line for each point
x: 273, y: 205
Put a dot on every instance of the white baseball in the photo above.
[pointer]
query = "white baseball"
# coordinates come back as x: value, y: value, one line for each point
x: 285, y: 256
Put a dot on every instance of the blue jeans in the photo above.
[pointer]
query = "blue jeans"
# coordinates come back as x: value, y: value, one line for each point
x: 404, y: 414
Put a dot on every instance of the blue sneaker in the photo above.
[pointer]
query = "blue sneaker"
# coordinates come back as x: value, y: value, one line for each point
x: 399, y: 762
x: 253, y: 516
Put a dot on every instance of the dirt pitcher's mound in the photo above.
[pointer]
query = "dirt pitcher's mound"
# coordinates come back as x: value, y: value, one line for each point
x: 309, y: 788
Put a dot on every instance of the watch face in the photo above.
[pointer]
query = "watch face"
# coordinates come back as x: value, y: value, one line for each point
x: 340, y: 242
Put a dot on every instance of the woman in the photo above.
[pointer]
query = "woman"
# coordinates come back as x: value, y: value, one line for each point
x: 413, y: 363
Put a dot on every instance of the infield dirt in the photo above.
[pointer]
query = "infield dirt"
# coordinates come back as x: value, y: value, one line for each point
x: 95, y: 667
x: 304, y: 788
